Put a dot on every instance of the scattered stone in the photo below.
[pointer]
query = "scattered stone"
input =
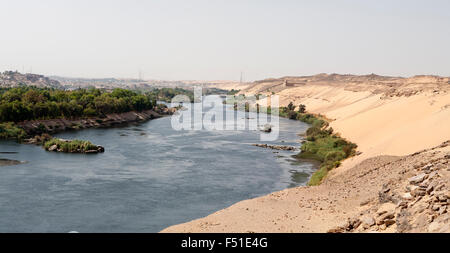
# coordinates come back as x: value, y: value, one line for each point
x: 411, y: 188
x: 418, y: 179
x: 402, y: 204
x: 364, y: 202
x: 418, y: 192
x: 336, y: 230
x: 407, y: 196
x: 442, y: 198
x: 389, y: 215
x: 430, y: 188
x: 427, y: 167
x: 353, y: 224
x: 389, y: 222
x: 367, y: 221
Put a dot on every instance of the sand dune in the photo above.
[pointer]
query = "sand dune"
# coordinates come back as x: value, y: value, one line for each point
x: 383, y: 115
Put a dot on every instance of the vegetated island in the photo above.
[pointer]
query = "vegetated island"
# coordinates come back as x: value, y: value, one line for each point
x: 31, y: 114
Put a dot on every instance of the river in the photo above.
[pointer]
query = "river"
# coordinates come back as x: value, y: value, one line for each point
x: 150, y: 177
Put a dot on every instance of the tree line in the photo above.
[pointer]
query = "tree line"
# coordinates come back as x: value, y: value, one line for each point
x: 28, y: 103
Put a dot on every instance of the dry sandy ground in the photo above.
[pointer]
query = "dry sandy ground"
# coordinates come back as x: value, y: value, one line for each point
x: 389, y: 118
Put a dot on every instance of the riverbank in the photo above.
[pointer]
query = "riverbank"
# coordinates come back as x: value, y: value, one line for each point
x: 395, y: 122
x: 321, y: 143
x: 38, y: 131
x: 51, y: 126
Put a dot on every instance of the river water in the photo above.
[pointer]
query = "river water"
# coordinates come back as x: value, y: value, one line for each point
x: 149, y: 178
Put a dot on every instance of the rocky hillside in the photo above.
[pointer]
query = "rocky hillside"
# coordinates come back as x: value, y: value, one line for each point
x: 386, y: 85
x: 15, y: 79
x: 381, y: 194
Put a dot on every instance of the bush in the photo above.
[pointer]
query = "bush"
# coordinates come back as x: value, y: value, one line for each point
x: 292, y: 115
x: 9, y: 130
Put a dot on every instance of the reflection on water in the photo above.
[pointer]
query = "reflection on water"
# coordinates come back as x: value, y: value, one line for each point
x: 149, y: 177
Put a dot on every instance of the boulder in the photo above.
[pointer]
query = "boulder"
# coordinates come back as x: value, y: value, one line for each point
x: 407, y: 196
x: 418, y: 192
x: 53, y: 148
x: 418, y: 179
x: 267, y: 128
x: 367, y: 221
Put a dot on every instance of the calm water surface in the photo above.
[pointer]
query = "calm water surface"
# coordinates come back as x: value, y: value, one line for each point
x: 149, y: 178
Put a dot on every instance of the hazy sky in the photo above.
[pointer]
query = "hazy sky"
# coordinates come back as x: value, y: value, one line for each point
x: 180, y: 39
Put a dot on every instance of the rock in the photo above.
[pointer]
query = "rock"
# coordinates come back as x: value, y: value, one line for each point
x: 267, y: 128
x: 364, y: 202
x: 430, y: 188
x: 407, y: 196
x: 53, y: 148
x: 367, y: 221
x: 432, y: 175
x: 402, y: 204
x: 353, y: 224
x: 425, y: 183
x: 442, y: 197
x: 418, y: 192
x: 389, y: 222
x: 384, y: 217
x: 411, y: 188
x: 427, y: 167
x: 336, y: 230
x: 418, y: 179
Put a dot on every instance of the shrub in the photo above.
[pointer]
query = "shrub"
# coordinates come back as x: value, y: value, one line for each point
x: 292, y: 115
x: 9, y: 130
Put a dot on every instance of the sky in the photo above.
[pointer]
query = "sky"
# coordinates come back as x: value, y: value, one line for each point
x: 217, y: 40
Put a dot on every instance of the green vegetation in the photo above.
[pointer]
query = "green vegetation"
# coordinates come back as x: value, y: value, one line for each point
x: 166, y: 94
x: 9, y: 130
x: 29, y: 103
x: 233, y: 92
x: 72, y: 146
x: 321, y: 143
